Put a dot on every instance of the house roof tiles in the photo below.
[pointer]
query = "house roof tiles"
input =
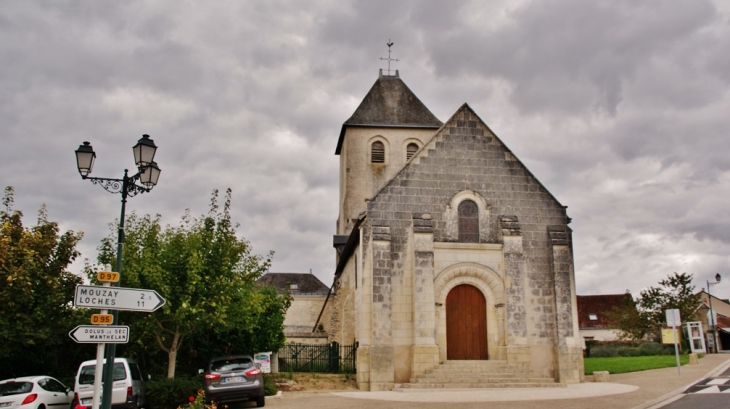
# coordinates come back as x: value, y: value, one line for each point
x: 593, y: 309
x: 305, y: 283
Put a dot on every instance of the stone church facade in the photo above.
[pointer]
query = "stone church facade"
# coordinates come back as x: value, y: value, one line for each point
x: 448, y: 250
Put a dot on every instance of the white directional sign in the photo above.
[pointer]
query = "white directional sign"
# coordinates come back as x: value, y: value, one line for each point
x: 95, y: 334
x: 117, y: 298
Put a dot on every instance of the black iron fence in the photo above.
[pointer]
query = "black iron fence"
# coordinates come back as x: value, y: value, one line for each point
x: 331, y: 358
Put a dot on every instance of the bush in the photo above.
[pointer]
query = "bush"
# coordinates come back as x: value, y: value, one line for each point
x: 604, y: 351
x: 167, y: 393
x: 270, y: 388
x: 629, y: 351
x: 651, y: 349
x: 669, y: 350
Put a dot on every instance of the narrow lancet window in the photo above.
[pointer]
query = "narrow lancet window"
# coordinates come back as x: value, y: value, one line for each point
x: 468, y: 222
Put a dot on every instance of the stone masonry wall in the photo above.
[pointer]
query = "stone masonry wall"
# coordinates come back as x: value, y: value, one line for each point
x: 466, y: 155
x: 303, y: 312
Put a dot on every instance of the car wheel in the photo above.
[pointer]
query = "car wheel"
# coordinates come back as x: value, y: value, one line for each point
x: 41, y: 406
x: 260, y: 402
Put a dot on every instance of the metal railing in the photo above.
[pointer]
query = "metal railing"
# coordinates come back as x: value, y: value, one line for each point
x: 331, y: 358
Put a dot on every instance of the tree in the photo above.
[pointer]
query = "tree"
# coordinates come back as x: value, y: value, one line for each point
x: 631, y: 324
x: 36, y: 290
x: 675, y: 291
x: 204, y: 271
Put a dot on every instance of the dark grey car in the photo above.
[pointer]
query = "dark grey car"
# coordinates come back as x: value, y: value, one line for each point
x: 235, y: 378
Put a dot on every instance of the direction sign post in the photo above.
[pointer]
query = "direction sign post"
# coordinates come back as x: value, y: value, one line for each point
x: 674, y: 321
x: 95, y: 334
x: 117, y: 298
x: 107, y: 298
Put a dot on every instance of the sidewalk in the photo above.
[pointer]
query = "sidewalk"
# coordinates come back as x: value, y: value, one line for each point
x: 631, y: 390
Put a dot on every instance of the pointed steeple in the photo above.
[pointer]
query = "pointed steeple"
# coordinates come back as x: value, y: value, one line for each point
x: 390, y: 103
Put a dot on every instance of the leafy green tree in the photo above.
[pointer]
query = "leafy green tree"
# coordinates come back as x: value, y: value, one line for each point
x: 632, y: 325
x: 36, y: 289
x: 204, y: 271
x: 257, y: 327
x: 675, y: 291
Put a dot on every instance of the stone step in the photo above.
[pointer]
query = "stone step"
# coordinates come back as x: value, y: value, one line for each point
x: 466, y: 379
x: 465, y: 385
x: 479, y: 364
x: 481, y: 375
x: 476, y: 370
x: 462, y: 362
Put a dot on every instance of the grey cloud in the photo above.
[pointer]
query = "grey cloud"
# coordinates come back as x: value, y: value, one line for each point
x: 619, y: 108
x: 560, y: 55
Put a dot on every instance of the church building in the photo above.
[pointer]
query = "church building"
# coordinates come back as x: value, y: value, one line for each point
x: 454, y: 263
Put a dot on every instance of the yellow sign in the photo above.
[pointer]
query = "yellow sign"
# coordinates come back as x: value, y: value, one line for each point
x: 667, y: 336
x: 107, y: 276
x: 102, y: 319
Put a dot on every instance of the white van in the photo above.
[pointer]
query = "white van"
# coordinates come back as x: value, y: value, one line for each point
x: 128, y: 389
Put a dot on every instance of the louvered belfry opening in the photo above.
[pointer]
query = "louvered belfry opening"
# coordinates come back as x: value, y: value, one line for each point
x: 468, y: 222
x: 377, y: 152
x: 411, y: 150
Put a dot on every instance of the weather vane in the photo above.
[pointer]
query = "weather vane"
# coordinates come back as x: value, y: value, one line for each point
x: 389, y: 44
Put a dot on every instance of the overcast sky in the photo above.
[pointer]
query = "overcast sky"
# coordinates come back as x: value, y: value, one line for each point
x: 620, y: 108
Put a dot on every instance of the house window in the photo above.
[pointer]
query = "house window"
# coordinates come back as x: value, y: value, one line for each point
x: 593, y: 317
x: 411, y: 150
x: 468, y: 222
x: 377, y: 152
x: 293, y: 287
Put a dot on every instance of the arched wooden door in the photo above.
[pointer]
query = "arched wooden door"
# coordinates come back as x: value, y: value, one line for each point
x: 466, y: 323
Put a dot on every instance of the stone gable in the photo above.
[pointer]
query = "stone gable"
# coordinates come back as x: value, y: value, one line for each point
x: 463, y: 216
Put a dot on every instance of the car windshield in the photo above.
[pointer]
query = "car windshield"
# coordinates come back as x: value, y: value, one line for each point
x: 15, y: 388
x: 232, y: 364
x: 86, y: 377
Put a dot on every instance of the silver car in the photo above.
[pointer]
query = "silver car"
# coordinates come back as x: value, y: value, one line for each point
x: 34, y: 392
x: 234, y: 379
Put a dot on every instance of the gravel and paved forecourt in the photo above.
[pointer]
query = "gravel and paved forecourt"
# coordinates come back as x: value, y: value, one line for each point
x: 639, y: 390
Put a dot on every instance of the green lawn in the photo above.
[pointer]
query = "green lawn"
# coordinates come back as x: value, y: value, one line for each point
x: 632, y: 363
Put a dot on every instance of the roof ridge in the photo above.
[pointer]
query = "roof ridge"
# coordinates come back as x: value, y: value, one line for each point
x: 390, y: 103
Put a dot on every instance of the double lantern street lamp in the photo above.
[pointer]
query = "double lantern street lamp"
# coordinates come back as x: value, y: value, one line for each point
x: 147, y: 175
x: 712, y: 314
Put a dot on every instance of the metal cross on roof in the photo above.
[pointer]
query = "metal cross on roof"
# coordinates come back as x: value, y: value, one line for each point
x: 389, y: 44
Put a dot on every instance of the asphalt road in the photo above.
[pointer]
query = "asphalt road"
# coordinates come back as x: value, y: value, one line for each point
x: 711, y: 392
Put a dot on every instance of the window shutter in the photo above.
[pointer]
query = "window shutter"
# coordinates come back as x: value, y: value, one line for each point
x: 377, y: 152
x: 411, y: 150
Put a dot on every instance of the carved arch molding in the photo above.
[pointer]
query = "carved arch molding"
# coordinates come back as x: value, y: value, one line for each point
x: 482, y: 277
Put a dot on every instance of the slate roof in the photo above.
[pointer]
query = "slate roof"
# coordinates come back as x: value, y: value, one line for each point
x: 307, y: 283
x: 598, y: 305
x: 390, y: 103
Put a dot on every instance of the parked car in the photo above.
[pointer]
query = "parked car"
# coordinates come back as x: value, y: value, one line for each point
x: 34, y: 392
x: 128, y: 388
x: 234, y: 379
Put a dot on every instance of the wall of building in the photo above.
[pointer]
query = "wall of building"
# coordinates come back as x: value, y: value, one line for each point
x: 359, y: 178
x: 303, y: 312
x: 340, y: 323
x: 602, y: 334
x: 466, y: 156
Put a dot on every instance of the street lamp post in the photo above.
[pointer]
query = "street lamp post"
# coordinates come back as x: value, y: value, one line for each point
x: 147, y: 175
x: 712, y: 315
